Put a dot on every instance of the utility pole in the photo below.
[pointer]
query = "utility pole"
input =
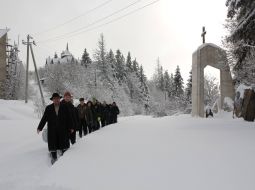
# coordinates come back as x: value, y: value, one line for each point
x: 27, y: 68
x: 29, y: 46
x: 37, y: 75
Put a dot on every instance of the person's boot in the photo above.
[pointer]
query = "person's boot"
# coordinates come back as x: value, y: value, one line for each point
x: 62, y: 152
x: 53, y: 157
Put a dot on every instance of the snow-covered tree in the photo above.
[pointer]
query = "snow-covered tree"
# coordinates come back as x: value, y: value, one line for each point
x: 167, y: 84
x: 135, y: 66
x: 211, y: 90
x: 120, y: 64
x: 85, y: 59
x: 14, y: 85
x: 188, y: 89
x: 158, y: 76
x: 100, y: 53
x: 240, y: 41
x: 178, y: 83
x: 129, y: 62
x: 243, y: 13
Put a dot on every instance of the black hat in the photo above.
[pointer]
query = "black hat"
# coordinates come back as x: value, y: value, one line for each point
x: 81, y: 99
x: 54, y: 95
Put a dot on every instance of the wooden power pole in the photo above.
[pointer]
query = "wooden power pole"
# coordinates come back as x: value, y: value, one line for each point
x: 29, y: 46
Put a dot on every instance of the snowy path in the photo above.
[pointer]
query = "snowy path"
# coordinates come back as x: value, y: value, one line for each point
x: 138, y: 153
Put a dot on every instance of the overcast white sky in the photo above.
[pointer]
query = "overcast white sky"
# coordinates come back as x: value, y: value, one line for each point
x: 169, y: 29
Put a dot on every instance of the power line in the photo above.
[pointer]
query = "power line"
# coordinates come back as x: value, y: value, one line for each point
x: 93, y: 23
x: 114, y: 20
x: 74, y: 18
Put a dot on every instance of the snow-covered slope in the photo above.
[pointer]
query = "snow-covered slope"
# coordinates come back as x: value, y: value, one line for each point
x: 138, y: 153
x: 16, y: 110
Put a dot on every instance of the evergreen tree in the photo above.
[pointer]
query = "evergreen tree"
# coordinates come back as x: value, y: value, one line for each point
x: 85, y: 60
x: 178, y: 83
x: 120, y: 63
x: 241, y: 39
x: 143, y: 86
x: 110, y: 58
x: 171, y: 86
x: 188, y: 90
x: 167, y: 83
x: 242, y: 11
x: 158, y: 76
x: 135, y: 66
x: 141, y: 75
x: 129, y: 62
x: 100, y: 53
x: 161, y: 79
x: 56, y: 55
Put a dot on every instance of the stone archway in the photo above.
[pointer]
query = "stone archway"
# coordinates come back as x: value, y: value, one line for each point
x: 212, y: 55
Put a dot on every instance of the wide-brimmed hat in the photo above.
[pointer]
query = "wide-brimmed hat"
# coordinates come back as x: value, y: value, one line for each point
x: 54, y: 95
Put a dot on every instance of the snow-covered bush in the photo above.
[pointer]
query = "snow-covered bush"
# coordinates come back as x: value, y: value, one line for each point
x: 228, y: 104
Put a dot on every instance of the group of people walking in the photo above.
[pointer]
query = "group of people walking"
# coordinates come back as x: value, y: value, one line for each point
x: 64, y: 119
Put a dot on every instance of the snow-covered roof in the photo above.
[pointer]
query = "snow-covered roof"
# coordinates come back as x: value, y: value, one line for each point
x: 66, y: 53
x: 3, y: 32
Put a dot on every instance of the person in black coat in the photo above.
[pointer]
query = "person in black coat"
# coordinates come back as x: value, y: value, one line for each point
x: 96, y: 114
x: 208, y: 112
x: 67, y: 101
x: 104, y: 114
x: 82, y: 121
x: 114, y: 113
x: 58, y: 120
x: 89, y: 116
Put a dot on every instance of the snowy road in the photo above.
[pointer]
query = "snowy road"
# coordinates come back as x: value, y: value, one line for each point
x: 138, y: 153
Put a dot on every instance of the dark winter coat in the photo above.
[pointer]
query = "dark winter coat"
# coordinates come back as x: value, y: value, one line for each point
x: 74, y: 114
x: 105, y: 112
x: 89, y: 116
x: 114, y: 110
x: 59, y: 127
x: 97, y: 111
x: 81, y: 111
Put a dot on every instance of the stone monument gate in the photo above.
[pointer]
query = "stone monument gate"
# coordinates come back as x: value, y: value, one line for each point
x: 212, y: 55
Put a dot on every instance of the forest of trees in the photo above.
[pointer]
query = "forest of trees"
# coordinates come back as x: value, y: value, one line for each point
x: 110, y: 76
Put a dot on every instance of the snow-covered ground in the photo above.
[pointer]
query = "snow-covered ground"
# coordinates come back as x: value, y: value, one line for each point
x: 138, y: 153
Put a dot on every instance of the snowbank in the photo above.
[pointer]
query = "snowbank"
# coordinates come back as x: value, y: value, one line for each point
x: 16, y: 110
x: 241, y: 88
x: 138, y: 153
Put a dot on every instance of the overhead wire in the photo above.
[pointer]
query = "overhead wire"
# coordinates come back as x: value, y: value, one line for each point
x: 93, y: 23
x: 114, y: 20
x: 74, y: 18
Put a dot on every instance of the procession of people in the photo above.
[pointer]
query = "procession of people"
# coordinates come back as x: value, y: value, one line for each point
x: 64, y: 120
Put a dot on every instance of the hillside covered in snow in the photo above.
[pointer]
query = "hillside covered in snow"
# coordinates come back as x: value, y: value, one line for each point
x: 140, y: 152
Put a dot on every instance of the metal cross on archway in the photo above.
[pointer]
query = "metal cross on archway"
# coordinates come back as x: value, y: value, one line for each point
x: 203, y: 34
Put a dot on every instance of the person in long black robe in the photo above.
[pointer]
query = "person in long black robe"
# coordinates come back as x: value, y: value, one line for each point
x: 57, y: 118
